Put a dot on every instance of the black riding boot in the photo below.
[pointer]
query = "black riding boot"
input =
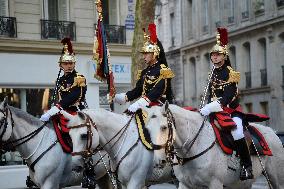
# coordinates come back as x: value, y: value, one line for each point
x: 88, y: 180
x: 246, y: 165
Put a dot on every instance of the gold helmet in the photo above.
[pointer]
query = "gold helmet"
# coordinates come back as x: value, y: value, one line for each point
x: 150, y: 41
x: 222, y: 41
x: 67, y: 51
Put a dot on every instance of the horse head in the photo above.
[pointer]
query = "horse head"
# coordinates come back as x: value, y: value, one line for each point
x: 161, y: 128
x: 6, y: 123
x: 83, y: 134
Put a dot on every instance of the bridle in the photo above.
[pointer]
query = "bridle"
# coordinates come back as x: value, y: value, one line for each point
x: 10, y: 145
x: 4, y: 125
x: 89, y: 124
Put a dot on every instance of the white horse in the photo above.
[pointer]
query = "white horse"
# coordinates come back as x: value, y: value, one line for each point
x: 118, y: 135
x: 211, y: 168
x: 54, y: 169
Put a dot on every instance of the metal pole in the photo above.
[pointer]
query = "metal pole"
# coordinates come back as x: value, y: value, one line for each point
x: 109, y: 174
x: 261, y: 163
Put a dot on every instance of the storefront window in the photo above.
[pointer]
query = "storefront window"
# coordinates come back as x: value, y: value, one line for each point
x: 33, y: 101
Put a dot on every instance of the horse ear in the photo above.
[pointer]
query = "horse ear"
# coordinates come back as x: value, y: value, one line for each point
x: 4, y: 103
x: 165, y: 107
x: 66, y: 114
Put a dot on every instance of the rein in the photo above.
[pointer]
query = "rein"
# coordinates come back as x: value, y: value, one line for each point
x: 11, y: 145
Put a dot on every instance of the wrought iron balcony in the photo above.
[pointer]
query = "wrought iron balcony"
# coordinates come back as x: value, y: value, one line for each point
x: 115, y: 34
x: 248, y: 79
x: 8, y: 27
x: 263, y: 75
x: 52, y: 29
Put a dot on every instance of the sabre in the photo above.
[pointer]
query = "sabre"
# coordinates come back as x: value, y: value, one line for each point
x: 206, y: 88
x: 55, y: 88
x: 261, y: 163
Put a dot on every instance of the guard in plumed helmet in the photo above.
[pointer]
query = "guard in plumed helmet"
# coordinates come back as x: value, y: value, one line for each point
x: 223, y: 96
x: 71, y: 87
x: 154, y: 82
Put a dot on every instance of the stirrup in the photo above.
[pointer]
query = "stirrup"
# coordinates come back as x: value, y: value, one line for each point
x: 246, y: 173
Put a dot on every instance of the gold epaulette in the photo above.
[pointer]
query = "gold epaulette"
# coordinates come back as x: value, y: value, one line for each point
x: 139, y: 72
x: 79, y: 81
x: 166, y: 72
x: 234, y: 77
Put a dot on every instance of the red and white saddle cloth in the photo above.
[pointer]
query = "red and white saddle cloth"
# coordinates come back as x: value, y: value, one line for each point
x: 222, y: 124
x: 62, y: 132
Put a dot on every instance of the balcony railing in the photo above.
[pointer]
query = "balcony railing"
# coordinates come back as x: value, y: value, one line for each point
x: 51, y: 29
x: 8, y: 27
x: 115, y: 34
x: 245, y: 15
x: 263, y: 75
x: 248, y: 79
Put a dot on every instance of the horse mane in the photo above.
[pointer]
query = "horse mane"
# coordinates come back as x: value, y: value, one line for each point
x: 26, y: 116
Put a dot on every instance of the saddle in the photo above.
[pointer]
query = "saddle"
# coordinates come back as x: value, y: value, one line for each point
x: 222, y: 124
x: 62, y: 131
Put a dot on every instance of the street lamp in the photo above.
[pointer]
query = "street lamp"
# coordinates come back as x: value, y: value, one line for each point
x: 158, y: 8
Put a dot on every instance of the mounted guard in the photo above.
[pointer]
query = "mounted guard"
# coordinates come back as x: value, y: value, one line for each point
x: 154, y: 82
x: 224, y: 96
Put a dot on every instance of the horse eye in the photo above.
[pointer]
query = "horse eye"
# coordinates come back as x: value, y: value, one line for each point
x: 153, y: 116
x: 164, y: 128
x: 84, y: 136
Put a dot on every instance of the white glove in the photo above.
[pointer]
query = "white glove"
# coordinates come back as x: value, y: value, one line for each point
x: 52, y: 111
x: 120, y: 98
x: 142, y: 102
x: 214, y: 106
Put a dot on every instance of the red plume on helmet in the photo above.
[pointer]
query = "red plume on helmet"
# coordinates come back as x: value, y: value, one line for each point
x: 153, y: 34
x: 67, y: 41
x: 223, y: 36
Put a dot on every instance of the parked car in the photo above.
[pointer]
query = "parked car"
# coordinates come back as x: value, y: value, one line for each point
x: 281, y: 136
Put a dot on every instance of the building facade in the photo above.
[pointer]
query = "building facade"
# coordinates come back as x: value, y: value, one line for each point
x: 256, y: 44
x: 30, y: 35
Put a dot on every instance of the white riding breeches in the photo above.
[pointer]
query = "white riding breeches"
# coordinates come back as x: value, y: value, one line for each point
x: 238, y: 132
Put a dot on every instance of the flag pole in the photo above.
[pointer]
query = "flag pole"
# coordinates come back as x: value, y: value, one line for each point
x: 101, y: 55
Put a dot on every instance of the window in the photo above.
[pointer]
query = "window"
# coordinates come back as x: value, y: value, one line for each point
x: 4, y: 8
x: 232, y: 55
x: 247, y: 60
x: 189, y: 19
x: 208, y: 61
x: 193, y: 76
x: 231, y: 9
x: 245, y: 9
x: 57, y: 10
x: 248, y: 107
x: 258, y: 7
x: 263, y: 61
x: 205, y: 17
x: 173, y: 29
x: 264, y: 109
x: 280, y: 3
